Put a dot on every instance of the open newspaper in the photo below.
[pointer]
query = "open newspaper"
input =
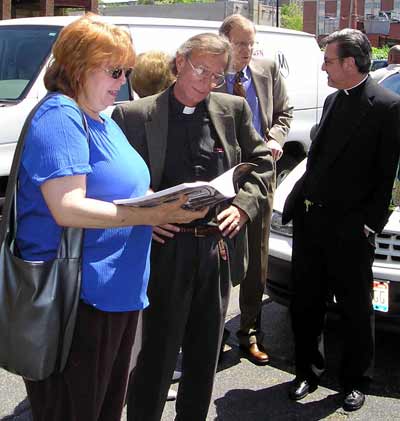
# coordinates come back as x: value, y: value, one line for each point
x: 199, y: 193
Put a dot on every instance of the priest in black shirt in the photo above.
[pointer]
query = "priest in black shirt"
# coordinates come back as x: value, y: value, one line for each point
x: 337, y: 207
x: 187, y: 134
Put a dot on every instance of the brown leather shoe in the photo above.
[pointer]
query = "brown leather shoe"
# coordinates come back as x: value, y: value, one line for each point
x: 255, y: 354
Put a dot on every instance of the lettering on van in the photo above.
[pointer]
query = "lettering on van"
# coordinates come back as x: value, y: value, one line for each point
x: 282, y: 63
x: 258, y: 52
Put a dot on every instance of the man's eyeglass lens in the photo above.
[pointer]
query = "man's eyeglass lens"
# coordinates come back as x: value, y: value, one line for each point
x: 244, y: 44
x: 216, y: 78
x: 328, y: 60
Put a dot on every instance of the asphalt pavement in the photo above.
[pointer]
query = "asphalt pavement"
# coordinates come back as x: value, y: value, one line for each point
x: 246, y: 392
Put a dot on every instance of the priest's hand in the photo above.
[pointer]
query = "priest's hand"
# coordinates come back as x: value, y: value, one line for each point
x: 231, y: 221
x: 275, y: 148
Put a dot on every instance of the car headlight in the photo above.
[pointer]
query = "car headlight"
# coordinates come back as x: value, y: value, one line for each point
x: 278, y: 227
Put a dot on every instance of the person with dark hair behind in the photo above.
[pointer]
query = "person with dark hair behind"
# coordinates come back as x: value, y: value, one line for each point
x: 393, y: 66
x: 338, y: 205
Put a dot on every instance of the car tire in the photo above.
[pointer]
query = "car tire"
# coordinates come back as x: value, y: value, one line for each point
x: 284, y: 166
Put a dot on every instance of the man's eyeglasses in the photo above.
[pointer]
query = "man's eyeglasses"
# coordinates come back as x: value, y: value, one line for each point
x: 242, y: 44
x: 116, y: 72
x: 328, y: 60
x: 201, y: 72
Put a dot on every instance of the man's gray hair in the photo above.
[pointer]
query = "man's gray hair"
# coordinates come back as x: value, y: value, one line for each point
x: 233, y: 21
x: 207, y: 43
x: 352, y: 43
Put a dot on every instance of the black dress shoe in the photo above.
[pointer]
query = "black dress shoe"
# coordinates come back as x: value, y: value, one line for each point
x: 300, y: 388
x: 353, y: 400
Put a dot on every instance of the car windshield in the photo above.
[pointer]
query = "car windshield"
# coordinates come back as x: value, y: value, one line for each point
x: 23, y: 51
x: 392, y: 83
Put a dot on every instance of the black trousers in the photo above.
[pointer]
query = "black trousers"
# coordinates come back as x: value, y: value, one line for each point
x: 93, y: 385
x: 332, y: 255
x: 188, y: 291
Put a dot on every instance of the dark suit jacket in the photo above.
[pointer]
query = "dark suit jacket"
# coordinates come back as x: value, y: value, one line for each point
x: 276, y: 113
x: 145, y: 124
x: 359, y: 173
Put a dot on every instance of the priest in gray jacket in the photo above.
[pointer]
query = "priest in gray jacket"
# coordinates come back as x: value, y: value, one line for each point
x: 187, y: 134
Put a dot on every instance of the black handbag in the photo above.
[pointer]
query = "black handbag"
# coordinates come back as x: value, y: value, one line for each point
x: 38, y: 300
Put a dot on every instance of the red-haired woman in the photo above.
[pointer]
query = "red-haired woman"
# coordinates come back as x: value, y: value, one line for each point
x: 66, y: 179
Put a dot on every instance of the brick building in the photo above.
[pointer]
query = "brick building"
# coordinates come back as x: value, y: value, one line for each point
x: 21, y: 8
x: 379, y: 19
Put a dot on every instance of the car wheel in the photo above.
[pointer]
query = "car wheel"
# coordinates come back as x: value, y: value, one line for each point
x: 284, y: 166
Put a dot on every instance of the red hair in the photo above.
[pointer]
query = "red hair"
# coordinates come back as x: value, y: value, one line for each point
x: 82, y: 46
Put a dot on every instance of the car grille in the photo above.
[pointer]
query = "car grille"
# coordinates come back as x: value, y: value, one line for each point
x: 387, y: 247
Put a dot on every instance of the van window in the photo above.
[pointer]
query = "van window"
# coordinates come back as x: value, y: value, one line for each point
x: 23, y: 51
x: 124, y: 93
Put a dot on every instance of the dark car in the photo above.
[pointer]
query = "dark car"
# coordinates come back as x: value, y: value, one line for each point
x: 378, y: 64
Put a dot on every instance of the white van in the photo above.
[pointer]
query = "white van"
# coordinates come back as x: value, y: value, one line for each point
x: 25, y: 46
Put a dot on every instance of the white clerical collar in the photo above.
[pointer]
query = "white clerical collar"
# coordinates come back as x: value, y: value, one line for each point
x: 346, y: 91
x: 188, y: 110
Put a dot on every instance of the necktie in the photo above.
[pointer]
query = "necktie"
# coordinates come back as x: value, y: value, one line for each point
x: 238, y: 88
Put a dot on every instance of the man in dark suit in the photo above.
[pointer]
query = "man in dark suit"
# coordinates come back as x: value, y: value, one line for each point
x: 187, y: 134
x: 260, y: 82
x: 337, y: 207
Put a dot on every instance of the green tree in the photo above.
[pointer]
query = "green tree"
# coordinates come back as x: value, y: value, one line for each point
x: 292, y: 16
x: 179, y: 1
x: 382, y: 52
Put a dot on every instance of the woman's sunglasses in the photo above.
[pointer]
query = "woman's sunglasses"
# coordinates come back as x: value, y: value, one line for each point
x: 116, y: 72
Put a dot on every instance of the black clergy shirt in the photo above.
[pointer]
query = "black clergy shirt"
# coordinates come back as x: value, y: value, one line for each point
x: 339, y: 122
x: 194, y: 152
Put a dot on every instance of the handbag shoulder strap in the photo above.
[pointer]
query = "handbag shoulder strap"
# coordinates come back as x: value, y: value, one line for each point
x: 12, y: 178
x: 6, y: 224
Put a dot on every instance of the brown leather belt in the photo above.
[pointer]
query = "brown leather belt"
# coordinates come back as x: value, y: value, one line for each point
x: 200, y: 230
